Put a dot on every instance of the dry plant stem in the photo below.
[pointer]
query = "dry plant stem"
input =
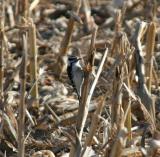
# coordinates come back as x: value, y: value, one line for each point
x: 2, y: 100
x: 70, y: 118
x: 33, y: 5
x: 150, y: 44
x: 142, y: 90
x: 97, y: 76
x: 87, y: 13
x: 57, y: 120
x: 126, y: 103
x: 119, y: 143
x: 11, y: 121
x: 118, y: 23
x: 124, y: 47
x: 97, y: 114
x: 33, y: 62
x: 1, y: 64
x: 22, y: 74
x: 155, y: 76
x: 1, y: 47
x: 117, y: 98
x: 95, y: 120
x: 30, y: 117
x: 11, y: 15
x: 61, y: 61
x: 83, y: 106
x: 23, y: 8
x: 147, y: 115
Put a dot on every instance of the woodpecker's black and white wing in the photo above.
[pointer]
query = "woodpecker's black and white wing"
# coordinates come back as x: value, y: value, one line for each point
x: 78, y: 78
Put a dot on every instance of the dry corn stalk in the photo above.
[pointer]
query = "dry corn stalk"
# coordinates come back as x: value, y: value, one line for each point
x: 126, y: 101
x: 60, y: 65
x: 95, y: 120
x: 88, y: 21
x: 33, y: 62
x: 118, y: 23
x: 87, y: 92
x: 116, y: 98
x: 83, y: 105
x: 83, y: 109
x: 22, y: 9
x: 119, y: 143
x: 150, y: 44
x: 1, y: 48
x: 142, y: 90
x: 21, y: 117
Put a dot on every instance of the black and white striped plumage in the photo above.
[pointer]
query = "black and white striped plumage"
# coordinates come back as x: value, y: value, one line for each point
x: 75, y: 74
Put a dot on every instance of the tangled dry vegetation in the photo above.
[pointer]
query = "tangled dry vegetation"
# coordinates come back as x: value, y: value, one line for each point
x: 119, y: 111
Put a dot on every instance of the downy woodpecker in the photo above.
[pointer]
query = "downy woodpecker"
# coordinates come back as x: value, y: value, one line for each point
x: 75, y: 74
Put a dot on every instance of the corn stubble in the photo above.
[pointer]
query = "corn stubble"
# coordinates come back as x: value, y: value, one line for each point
x: 120, y: 122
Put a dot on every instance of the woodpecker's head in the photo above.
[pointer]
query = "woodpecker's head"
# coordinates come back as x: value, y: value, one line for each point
x: 73, y: 60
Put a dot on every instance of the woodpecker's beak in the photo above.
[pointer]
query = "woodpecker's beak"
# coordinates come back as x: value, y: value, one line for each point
x: 79, y: 58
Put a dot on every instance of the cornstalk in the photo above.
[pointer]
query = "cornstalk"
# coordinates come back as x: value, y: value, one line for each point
x: 83, y: 105
x: 22, y: 75
x: 1, y: 48
x: 142, y: 90
x: 22, y: 9
x: 83, y: 108
x: 150, y: 52
x: 116, y: 98
x: 22, y: 15
x: 126, y: 48
x: 126, y: 104
x: 33, y: 62
x: 88, y: 21
x: 95, y: 120
x: 61, y: 61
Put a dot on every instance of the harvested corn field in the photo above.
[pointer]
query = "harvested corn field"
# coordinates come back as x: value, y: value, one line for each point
x: 79, y: 78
